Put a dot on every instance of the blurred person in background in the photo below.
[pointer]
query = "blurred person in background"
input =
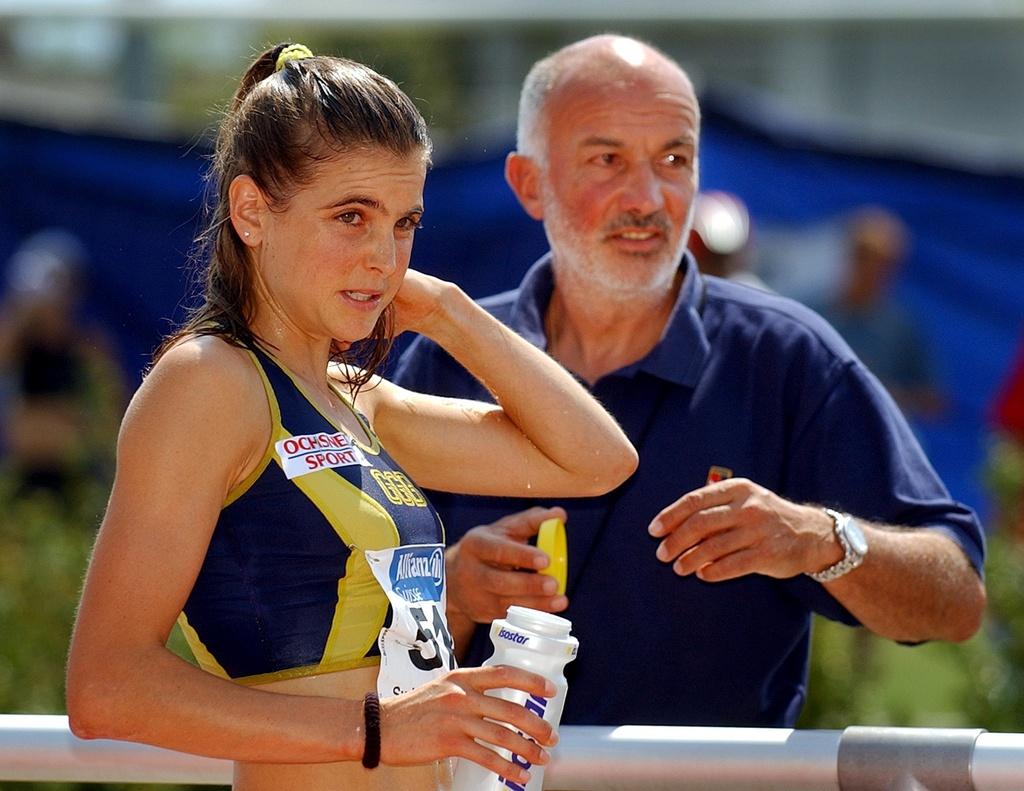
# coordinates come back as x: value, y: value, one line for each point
x: 691, y: 591
x: 273, y: 508
x: 720, y: 239
x: 881, y: 331
x: 64, y: 390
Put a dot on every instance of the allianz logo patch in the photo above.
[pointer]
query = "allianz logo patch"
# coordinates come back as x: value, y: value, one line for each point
x: 417, y: 573
x: 308, y: 453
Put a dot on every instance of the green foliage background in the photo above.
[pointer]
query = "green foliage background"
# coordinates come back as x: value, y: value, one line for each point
x: 44, y: 550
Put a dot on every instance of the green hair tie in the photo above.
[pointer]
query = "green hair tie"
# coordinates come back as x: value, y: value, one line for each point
x: 292, y: 52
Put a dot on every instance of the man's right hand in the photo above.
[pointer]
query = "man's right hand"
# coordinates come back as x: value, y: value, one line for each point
x: 492, y: 567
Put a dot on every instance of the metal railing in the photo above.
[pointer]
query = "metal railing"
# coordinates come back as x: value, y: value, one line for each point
x: 41, y: 747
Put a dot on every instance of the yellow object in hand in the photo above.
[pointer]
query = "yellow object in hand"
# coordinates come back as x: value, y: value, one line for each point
x: 551, y: 541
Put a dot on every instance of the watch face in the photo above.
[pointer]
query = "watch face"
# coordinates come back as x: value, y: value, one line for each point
x: 856, y: 538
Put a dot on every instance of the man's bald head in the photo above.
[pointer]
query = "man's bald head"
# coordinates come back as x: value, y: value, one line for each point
x: 599, y: 59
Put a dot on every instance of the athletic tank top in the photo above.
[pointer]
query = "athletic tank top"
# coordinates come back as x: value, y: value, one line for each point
x: 285, y: 589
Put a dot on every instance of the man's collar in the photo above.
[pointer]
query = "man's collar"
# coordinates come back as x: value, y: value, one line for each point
x: 532, y: 300
x: 678, y: 357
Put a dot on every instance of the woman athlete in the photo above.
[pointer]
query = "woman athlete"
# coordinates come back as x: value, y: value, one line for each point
x: 272, y: 510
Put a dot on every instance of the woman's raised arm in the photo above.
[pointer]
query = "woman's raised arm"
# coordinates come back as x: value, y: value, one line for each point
x: 546, y: 436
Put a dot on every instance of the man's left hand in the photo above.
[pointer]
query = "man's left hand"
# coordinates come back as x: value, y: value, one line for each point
x: 735, y: 527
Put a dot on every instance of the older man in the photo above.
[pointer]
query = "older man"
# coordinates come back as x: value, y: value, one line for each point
x: 691, y: 587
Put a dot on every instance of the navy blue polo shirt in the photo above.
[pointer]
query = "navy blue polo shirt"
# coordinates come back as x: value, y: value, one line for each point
x: 741, y: 379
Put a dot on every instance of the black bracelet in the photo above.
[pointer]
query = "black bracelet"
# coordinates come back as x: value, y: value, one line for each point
x: 371, y: 717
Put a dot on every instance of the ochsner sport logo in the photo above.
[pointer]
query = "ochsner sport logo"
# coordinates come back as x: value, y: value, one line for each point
x: 308, y: 453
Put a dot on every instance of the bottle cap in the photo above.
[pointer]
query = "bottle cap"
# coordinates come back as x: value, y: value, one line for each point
x: 551, y: 541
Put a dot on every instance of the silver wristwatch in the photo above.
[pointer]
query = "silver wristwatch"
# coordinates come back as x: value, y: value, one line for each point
x: 851, y: 539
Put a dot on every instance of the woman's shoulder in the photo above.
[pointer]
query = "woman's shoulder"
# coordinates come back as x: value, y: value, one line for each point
x: 201, y: 407
x: 203, y: 372
x: 207, y: 356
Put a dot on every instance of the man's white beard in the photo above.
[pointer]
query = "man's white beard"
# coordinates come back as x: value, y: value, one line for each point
x: 614, y: 275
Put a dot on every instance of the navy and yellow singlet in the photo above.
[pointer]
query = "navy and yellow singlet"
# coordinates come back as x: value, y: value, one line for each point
x: 285, y: 589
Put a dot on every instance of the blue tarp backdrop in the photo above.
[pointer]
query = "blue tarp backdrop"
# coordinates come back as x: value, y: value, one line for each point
x: 135, y: 205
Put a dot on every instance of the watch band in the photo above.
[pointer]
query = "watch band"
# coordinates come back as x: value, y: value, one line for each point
x: 851, y: 558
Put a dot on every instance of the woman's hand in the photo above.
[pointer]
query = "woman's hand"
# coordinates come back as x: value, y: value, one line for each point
x: 417, y: 302
x: 445, y: 717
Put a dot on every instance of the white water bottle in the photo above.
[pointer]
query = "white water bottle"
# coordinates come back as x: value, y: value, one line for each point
x: 539, y: 642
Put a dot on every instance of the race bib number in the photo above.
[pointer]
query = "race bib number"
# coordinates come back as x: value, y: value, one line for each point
x: 417, y: 646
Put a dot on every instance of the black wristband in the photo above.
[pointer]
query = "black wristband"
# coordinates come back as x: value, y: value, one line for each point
x: 371, y: 718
